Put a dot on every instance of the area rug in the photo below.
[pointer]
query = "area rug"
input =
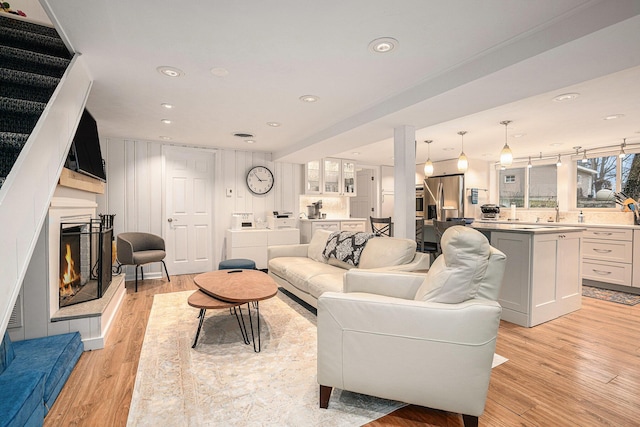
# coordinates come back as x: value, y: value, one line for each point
x: 612, y: 296
x: 224, y: 382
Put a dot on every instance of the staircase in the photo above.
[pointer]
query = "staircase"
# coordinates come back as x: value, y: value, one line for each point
x: 33, y: 58
x: 43, y: 91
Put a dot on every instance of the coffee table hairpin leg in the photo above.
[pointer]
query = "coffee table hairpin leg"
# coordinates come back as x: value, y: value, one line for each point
x: 257, y: 307
x: 243, y: 328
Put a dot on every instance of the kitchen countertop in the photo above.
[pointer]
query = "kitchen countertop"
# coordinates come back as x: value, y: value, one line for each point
x: 526, y: 228
x: 558, y: 224
x: 333, y: 219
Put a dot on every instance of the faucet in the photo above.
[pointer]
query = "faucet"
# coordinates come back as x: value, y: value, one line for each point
x: 557, y: 212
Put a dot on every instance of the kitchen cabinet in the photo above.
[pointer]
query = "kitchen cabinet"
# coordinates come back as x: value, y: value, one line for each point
x: 308, y: 227
x: 542, y: 279
x: 332, y: 177
x: 252, y: 243
x: 607, y: 255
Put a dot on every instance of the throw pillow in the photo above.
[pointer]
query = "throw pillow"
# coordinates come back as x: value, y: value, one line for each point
x: 456, y: 275
x: 317, y: 245
x: 346, y: 246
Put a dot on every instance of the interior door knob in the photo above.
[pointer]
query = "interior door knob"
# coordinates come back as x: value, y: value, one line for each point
x: 172, y: 219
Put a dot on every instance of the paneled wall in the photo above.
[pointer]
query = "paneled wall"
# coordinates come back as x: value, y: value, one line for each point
x: 135, y: 182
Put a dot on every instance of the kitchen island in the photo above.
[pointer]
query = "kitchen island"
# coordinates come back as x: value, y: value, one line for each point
x: 543, y: 275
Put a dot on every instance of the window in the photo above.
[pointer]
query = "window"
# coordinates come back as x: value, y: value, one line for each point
x: 543, y: 186
x: 596, y: 181
x: 630, y: 179
x: 535, y: 187
x: 512, y: 187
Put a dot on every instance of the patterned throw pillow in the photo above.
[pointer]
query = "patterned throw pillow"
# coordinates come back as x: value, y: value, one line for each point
x: 346, y: 246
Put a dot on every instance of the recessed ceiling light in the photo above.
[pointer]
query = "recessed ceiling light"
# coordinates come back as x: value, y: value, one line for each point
x: 383, y: 45
x: 243, y: 135
x: 614, y: 116
x: 309, y: 98
x: 219, y: 72
x: 518, y: 135
x: 249, y: 141
x: 566, y: 97
x: 356, y: 153
x: 167, y: 106
x: 170, y: 71
x: 166, y: 138
x: 273, y: 124
x: 166, y: 121
x: 555, y: 144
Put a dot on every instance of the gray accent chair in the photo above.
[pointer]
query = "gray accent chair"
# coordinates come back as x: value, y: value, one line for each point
x: 137, y: 248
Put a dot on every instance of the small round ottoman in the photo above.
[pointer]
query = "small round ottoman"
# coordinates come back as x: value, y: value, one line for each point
x: 237, y: 264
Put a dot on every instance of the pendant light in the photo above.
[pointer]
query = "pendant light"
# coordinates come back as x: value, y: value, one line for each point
x: 428, y: 165
x: 506, y: 156
x: 622, y: 153
x: 529, y: 165
x: 559, y: 162
x: 463, y: 163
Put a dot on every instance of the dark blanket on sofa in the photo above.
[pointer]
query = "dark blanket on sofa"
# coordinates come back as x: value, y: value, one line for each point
x: 346, y: 246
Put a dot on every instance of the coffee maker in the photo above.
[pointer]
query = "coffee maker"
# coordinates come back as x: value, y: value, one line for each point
x: 313, y: 210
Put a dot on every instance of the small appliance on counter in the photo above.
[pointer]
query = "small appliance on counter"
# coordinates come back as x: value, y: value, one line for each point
x: 490, y: 211
x: 242, y: 220
x: 281, y: 220
x: 313, y: 210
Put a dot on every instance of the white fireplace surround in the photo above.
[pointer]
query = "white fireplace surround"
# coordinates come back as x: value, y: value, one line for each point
x: 63, y: 210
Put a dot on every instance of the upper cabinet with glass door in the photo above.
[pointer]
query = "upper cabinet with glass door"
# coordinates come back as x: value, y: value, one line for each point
x: 313, y: 177
x: 348, y: 178
x: 333, y: 177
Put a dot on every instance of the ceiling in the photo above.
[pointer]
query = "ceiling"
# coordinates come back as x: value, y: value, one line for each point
x: 459, y: 65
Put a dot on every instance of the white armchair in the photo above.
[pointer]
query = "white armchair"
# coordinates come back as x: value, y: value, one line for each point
x: 425, y: 339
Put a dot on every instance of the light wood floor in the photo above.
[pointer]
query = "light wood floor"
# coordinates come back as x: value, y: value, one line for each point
x: 580, y: 370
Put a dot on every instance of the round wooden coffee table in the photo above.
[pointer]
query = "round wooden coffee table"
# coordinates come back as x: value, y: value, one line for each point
x: 231, y: 289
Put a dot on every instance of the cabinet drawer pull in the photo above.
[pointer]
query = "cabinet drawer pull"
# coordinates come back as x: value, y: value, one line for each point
x: 601, y: 272
x: 602, y: 251
x: 602, y: 233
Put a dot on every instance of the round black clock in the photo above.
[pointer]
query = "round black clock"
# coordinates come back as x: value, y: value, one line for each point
x: 260, y: 180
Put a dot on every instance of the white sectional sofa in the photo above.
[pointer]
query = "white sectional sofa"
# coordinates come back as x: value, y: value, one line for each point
x: 303, y: 270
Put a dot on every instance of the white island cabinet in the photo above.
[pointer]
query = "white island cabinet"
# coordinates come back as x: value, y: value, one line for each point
x: 252, y: 243
x: 543, y: 278
x: 309, y: 226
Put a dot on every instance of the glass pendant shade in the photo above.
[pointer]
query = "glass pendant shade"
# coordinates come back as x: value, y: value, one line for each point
x: 463, y: 163
x: 506, y: 156
x: 559, y: 162
x: 428, y: 168
x: 529, y: 165
x: 584, y: 157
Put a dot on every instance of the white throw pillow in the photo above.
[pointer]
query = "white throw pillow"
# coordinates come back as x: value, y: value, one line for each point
x: 317, y: 245
x: 456, y: 275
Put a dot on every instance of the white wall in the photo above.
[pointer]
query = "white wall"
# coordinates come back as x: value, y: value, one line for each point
x: 134, y: 190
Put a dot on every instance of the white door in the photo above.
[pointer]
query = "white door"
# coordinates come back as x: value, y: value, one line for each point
x: 188, y: 210
x: 362, y: 204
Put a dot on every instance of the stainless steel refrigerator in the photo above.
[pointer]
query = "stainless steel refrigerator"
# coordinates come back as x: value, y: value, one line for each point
x: 444, y: 197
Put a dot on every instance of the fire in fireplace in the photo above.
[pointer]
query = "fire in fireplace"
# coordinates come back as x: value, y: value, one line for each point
x: 85, y: 260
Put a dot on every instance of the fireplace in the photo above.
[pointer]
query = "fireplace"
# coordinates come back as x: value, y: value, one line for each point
x: 85, y: 260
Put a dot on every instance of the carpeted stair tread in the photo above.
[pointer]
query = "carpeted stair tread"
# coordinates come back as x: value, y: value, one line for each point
x: 28, y: 86
x: 32, y: 62
x: 12, y: 105
x: 34, y: 42
x: 10, y: 146
x: 10, y: 22
x: 17, y: 122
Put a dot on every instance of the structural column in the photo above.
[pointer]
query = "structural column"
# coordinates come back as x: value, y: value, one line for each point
x: 404, y: 187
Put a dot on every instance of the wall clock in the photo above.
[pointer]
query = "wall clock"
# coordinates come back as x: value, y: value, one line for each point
x: 260, y: 180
